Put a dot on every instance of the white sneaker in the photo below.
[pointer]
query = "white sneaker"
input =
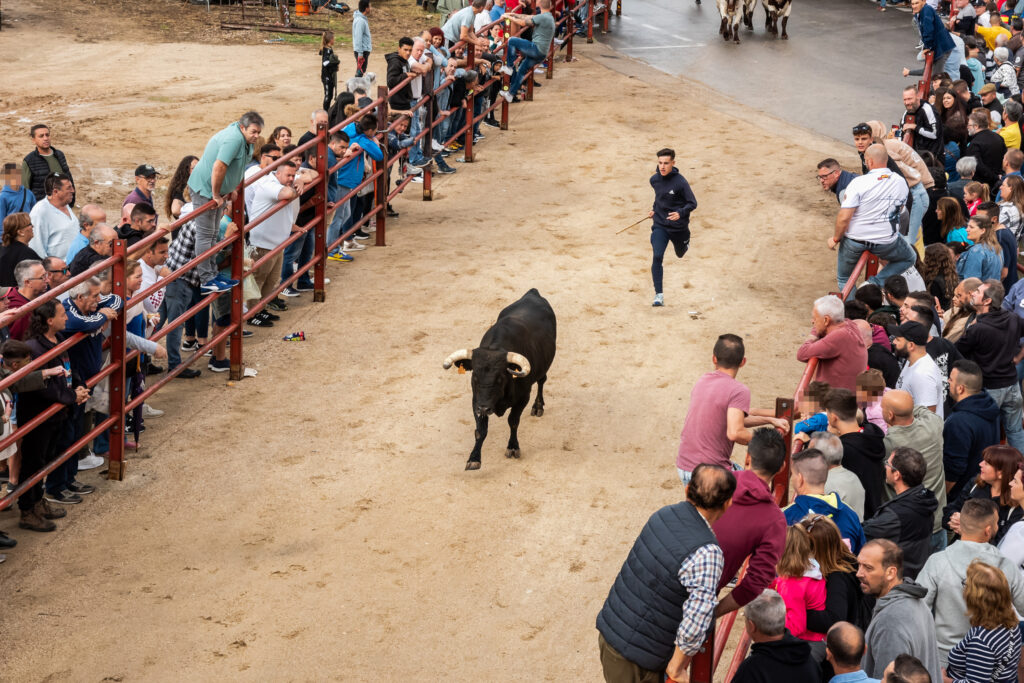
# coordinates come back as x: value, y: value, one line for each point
x: 90, y: 462
x: 506, y: 69
x: 352, y: 245
x: 507, y: 95
x: 413, y: 170
x: 327, y: 281
x: 436, y: 145
x: 417, y: 179
x: 150, y: 411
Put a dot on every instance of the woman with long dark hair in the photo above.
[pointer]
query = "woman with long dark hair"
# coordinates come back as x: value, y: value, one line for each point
x: 999, y: 465
x: 939, y: 273
x: 176, y: 191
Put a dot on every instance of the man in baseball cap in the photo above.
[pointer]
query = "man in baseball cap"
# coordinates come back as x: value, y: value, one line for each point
x: 145, y: 182
x: 920, y: 376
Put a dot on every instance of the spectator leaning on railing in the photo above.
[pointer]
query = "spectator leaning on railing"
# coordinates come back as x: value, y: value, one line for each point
x: 56, y: 225
x: 31, y: 278
x: 534, y: 52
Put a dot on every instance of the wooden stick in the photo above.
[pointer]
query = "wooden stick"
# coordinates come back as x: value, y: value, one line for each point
x: 634, y: 225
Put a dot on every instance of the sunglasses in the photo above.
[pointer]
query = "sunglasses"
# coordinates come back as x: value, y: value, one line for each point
x: 862, y: 129
x: 61, y: 270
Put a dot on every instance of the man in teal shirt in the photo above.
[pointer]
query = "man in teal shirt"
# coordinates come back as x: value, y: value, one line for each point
x: 533, y: 53
x: 217, y: 177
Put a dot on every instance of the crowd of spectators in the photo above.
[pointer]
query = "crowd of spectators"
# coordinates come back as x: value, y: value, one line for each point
x: 900, y: 557
x: 46, y: 239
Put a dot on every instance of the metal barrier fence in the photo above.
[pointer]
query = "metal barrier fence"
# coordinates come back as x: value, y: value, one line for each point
x: 705, y: 663
x: 114, y: 371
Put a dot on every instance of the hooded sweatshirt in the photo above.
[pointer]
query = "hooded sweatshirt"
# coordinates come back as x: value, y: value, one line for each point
x: 752, y: 526
x: 971, y: 427
x: 788, y: 659
x: 834, y: 508
x: 864, y: 455
x: 902, y: 623
x: 672, y: 193
x: 991, y: 342
x: 907, y: 521
x: 943, y: 577
x: 398, y: 69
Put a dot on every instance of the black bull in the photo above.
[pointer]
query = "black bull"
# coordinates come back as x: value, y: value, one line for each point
x: 514, y: 353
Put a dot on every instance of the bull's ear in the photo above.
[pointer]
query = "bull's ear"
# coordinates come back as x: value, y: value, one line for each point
x: 464, y: 365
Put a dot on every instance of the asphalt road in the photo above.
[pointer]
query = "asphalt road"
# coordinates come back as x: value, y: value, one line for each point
x: 842, y: 63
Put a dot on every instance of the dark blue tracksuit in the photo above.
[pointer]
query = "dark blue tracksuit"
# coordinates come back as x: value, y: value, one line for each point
x: 671, y: 193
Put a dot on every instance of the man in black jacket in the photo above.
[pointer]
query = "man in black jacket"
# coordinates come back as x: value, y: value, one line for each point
x: 987, y: 146
x: 923, y: 123
x: 993, y: 342
x: 906, y: 520
x: 775, y: 655
x: 42, y: 161
x: 673, y: 204
x: 971, y: 427
x: 101, y: 245
x: 142, y: 222
x: 398, y: 70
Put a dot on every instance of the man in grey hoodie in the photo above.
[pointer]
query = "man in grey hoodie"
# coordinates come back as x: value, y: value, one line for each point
x: 944, y: 572
x: 902, y: 622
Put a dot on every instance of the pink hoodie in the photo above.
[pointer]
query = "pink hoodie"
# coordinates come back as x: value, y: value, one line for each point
x: 801, y: 594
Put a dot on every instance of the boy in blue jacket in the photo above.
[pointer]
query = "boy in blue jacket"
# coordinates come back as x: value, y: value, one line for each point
x: 14, y: 197
x: 810, y: 472
x: 673, y: 204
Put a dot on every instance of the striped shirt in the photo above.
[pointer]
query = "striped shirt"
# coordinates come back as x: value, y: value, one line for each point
x: 699, y: 575
x: 985, y: 655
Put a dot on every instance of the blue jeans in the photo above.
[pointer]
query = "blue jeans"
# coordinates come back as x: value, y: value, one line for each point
x: 415, y: 127
x: 1011, y: 408
x: 300, y: 251
x: 531, y: 56
x: 61, y: 477
x: 1019, y: 9
x: 342, y: 219
x: 917, y: 210
x: 939, y: 541
x: 685, y: 476
x: 898, y: 253
x: 179, y: 296
x: 441, y: 132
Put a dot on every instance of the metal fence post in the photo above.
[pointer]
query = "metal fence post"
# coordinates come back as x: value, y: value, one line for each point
x: 702, y: 667
x: 590, y: 21
x: 118, y: 350
x: 467, y: 152
x: 379, y: 188
x: 320, y: 227
x: 784, y: 408
x: 237, y: 268
x: 428, y: 143
x: 504, y: 77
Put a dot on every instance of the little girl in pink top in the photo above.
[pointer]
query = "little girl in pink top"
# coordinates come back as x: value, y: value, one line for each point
x: 799, y: 583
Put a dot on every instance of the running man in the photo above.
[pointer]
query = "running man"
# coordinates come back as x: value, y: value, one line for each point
x: 673, y: 204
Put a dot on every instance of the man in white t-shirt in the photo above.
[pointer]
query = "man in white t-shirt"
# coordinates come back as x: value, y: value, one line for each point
x: 920, y: 377
x: 868, y: 220
x: 420, y: 62
x: 269, y: 153
x: 266, y: 193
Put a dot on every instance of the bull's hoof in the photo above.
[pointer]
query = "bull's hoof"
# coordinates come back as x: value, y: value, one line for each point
x: 512, y: 453
x: 785, y: 36
x: 473, y: 465
x: 537, y: 411
x: 736, y: 40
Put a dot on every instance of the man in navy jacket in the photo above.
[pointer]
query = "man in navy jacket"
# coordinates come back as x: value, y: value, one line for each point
x: 673, y: 204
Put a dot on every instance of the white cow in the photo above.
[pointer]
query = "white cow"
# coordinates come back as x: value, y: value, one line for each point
x: 773, y: 10
x: 730, y: 11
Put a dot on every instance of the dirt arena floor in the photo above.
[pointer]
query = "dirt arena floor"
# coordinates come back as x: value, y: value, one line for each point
x: 315, y: 522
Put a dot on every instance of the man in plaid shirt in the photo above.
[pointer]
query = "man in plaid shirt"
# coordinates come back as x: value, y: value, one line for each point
x: 181, y: 294
x: 663, y: 601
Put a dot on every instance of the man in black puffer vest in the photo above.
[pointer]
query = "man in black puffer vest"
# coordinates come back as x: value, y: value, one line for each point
x: 663, y: 601
x: 42, y: 161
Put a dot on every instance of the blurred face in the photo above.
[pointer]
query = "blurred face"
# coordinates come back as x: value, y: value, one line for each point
x: 862, y: 142
x: 13, y: 179
x: 134, y: 281
x: 42, y: 138
x: 665, y: 165
x: 989, y: 474
x: 251, y: 133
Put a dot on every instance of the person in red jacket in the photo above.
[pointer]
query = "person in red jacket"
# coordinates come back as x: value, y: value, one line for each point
x: 836, y: 343
x: 753, y: 525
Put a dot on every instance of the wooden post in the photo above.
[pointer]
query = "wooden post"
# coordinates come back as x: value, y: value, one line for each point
x: 118, y: 350
x: 237, y: 267
x: 320, y: 227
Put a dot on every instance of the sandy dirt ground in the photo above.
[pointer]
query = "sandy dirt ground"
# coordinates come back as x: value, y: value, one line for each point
x: 315, y: 522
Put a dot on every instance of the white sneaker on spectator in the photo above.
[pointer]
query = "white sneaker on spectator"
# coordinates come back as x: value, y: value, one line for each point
x: 352, y: 245
x: 506, y: 69
x: 90, y: 462
x: 150, y: 411
x: 416, y: 179
x: 413, y: 170
x: 436, y: 145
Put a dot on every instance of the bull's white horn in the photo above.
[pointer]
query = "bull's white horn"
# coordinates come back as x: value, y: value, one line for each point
x: 520, y: 360
x: 461, y: 354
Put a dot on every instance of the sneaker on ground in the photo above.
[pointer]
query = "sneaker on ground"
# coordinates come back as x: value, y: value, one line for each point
x: 506, y: 69
x: 445, y: 169
x: 493, y: 123
x: 65, y: 497
x: 340, y: 257
x: 417, y: 179
x: 478, y: 138
x: 150, y: 411
x: 270, y: 316
x: 437, y: 146
x: 189, y: 345
x: 659, y: 300
x: 80, y: 488
x: 245, y: 334
x: 414, y: 170
x: 89, y: 462
x: 425, y: 161
x: 289, y: 291
x: 259, y: 321
x: 360, y: 235
x: 559, y: 41
x: 278, y: 304
x: 219, y: 365
x: 352, y: 245
x: 302, y: 286
x: 188, y: 373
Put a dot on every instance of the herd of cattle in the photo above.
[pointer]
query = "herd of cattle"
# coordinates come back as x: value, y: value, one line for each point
x: 733, y: 11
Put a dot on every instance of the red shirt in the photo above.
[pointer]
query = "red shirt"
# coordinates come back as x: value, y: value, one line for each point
x: 841, y: 355
x: 704, y: 439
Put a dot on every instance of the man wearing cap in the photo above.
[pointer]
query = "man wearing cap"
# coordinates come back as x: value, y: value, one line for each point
x: 989, y: 98
x: 145, y: 181
x: 920, y: 376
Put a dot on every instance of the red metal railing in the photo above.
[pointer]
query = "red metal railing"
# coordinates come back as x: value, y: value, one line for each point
x: 114, y: 370
x: 705, y: 662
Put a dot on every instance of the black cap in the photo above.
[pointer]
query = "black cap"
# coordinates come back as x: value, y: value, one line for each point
x: 913, y: 332
x: 146, y: 171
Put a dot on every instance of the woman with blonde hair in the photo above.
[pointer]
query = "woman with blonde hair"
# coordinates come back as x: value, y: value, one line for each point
x: 991, y: 649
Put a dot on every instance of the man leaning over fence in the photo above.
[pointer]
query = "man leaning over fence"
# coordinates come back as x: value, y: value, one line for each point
x: 533, y: 53
x: 216, y: 177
